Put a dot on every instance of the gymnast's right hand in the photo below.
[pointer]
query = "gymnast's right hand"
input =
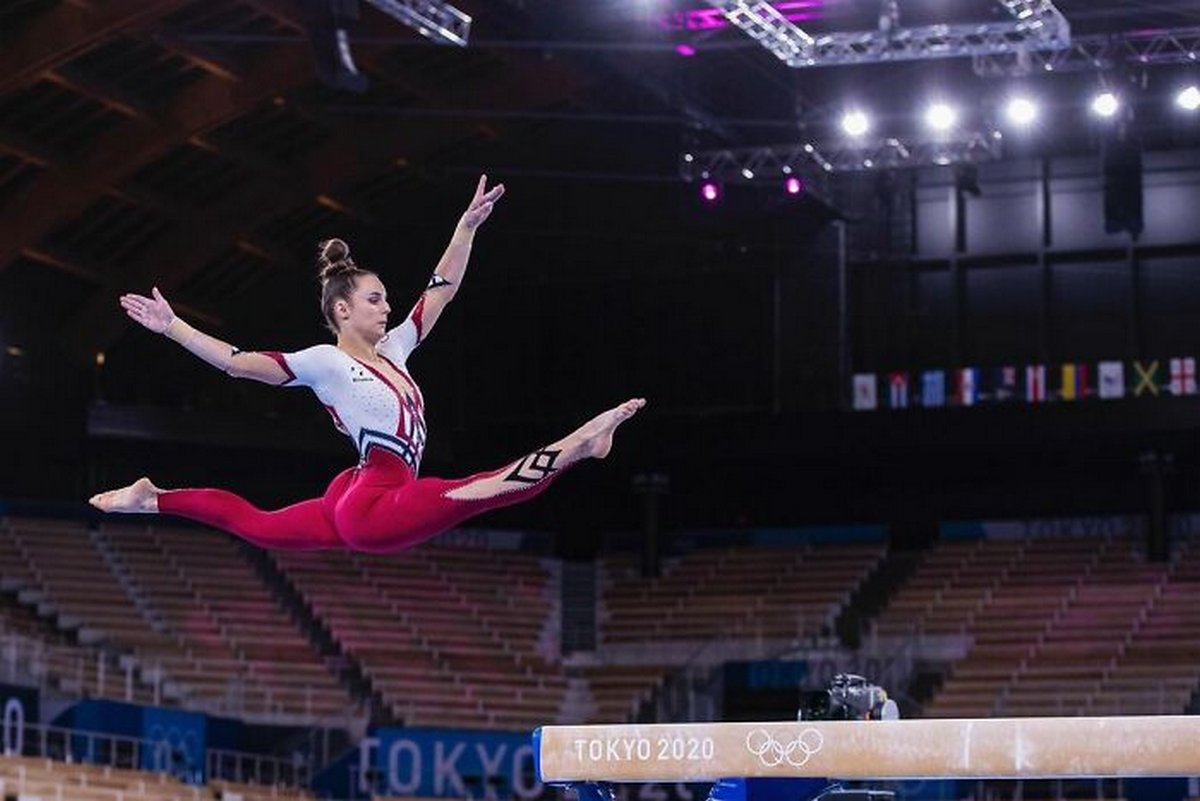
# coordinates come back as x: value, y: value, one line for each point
x: 153, y: 312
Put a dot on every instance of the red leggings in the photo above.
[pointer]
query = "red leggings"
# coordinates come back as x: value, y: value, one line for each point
x: 377, y: 507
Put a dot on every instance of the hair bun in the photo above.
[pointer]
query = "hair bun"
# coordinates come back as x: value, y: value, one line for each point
x: 333, y: 258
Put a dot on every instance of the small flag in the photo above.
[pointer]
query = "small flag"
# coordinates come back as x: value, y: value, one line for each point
x: 898, y: 390
x: 933, y: 388
x: 1006, y: 384
x: 1112, y: 380
x: 1145, y: 378
x: 1183, y: 376
x: 865, y: 397
x: 966, y: 389
x: 1035, y: 383
x: 1074, y: 382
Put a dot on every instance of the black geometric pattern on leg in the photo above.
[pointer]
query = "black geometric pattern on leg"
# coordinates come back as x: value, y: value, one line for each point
x: 438, y: 281
x: 534, y: 467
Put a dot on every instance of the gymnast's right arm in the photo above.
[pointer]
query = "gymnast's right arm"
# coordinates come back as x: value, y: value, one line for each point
x: 155, y: 313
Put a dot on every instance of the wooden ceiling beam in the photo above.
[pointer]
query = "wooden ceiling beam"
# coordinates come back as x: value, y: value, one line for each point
x: 200, y: 55
x: 29, y: 150
x: 104, y: 93
x: 58, y: 196
x: 65, y: 262
x: 69, y: 29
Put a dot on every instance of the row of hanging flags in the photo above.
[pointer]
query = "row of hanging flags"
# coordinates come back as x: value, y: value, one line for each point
x: 1034, y: 383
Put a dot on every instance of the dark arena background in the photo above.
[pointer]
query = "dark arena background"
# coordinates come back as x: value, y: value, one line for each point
x: 911, y: 288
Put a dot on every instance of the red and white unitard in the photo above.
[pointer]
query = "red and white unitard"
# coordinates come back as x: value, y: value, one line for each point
x: 380, y: 505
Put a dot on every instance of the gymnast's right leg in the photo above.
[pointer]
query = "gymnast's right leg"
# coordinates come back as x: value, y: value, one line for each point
x: 302, y: 526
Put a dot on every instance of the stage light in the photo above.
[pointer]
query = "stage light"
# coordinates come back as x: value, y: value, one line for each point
x: 710, y: 191
x: 793, y: 185
x: 855, y: 123
x: 1021, y: 111
x: 941, y: 116
x: 1188, y: 98
x: 748, y: 173
x: 1105, y: 104
x: 685, y: 50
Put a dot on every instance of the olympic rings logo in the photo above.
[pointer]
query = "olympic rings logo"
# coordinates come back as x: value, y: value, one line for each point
x: 796, y: 753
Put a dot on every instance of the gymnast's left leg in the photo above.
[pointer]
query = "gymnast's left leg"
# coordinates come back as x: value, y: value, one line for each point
x: 592, y: 440
x: 402, y: 517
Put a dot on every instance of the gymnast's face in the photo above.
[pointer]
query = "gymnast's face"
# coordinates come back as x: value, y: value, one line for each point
x: 366, y: 313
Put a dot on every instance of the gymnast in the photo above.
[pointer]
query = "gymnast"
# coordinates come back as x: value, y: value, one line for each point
x: 379, y: 506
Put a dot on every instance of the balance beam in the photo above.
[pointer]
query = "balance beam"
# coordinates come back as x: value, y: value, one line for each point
x: 990, y: 748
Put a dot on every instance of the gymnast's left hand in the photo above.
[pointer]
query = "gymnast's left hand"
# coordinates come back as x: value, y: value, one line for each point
x: 482, y: 204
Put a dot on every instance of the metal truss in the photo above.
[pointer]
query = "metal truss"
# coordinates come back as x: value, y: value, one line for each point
x: 439, y: 22
x: 769, y: 162
x: 1036, y: 23
x: 1153, y: 47
x: 766, y: 25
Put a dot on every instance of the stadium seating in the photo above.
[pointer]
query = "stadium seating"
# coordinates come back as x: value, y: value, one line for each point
x: 234, y: 647
x: 448, y: 637
x: 469, y: 638
x: 185, y: 604
x: 792, y: 593
x: 1056, y: 625
x: 48, y: 780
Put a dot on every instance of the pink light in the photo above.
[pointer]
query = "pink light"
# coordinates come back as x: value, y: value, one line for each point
x: 685, y: 50
x: 793, y: 185
x: 710, y: 192
x: 707, y: 19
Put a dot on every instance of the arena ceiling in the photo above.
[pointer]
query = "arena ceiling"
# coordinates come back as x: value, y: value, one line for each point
x: 189, y: 144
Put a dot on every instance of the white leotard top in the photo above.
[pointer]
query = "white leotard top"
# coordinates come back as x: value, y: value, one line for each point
x: 365, y: 404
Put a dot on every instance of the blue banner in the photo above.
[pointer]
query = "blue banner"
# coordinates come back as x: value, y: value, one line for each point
x: 20, y: 706
x: 1125, y: 526
x: 174, y: 743
x: 766, y: 674
x: 439, y: 763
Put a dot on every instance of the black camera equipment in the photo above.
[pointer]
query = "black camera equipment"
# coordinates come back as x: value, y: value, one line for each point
x: 849, y: 697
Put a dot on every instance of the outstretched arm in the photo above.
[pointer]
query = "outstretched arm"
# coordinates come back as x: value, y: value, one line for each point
x: 453, y: 265
x: 155, y: 313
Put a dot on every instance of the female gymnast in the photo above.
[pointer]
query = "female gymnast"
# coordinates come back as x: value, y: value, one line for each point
x: 380, y: 505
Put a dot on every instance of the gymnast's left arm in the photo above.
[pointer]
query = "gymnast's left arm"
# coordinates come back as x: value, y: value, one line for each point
x: 453, y: 265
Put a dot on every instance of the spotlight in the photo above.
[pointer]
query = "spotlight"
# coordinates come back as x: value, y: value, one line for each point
x: 941, y: 117
x: 1105, y: 104
x: 748, y: 173
x: 1021, y: 111
x: 793, y: 185
x: 710, y: 192
x: 685, y: 50
x: 855, y: 123
x: 1188, y: 98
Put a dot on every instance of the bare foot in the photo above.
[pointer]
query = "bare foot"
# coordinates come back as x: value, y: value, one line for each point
x: 140, y: 497
x: 594, y: 437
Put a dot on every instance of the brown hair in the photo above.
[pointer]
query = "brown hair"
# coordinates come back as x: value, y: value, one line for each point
x: 338, y: 275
